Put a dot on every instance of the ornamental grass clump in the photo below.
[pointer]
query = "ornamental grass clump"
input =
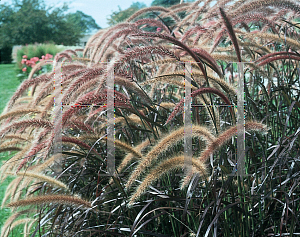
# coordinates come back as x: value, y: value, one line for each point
x: 104, y: 144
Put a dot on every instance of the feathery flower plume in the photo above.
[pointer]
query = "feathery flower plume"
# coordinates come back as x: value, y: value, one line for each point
x: 164, y: 144
x: 75, y: 123
x: 226, y: 136
x: 19, y: 112
x: 200, y: 91
x: 79, y: 143
x: 195, y: 29
x: 95, y: 98
x: 275, y: 54
x: 89, y: 74
x: 37, y: 67
x: 176, y: 42
x: 256, y: 4
x: 152, y: 22
x: 222, y: 139
x: 27, y: 123
x: 144, y: 51
x: 278, y: 38
x: 10, y: 164
x: 10, y: 220
x: 26, y: 84
x: 70, y: 51
x: 280, y: 57
x: 62, y: 55
x: 33, y: 151
x: 231, y: 34
x: 153, y: 9
x: 41, y: 177
x: 128, y: 158
x: 163, y: 168
x: 59, y: 199
x: 127, y: 148
x: 123, y: 32
x: 13, y: 136
x: 187, y: 18
x: 47, y: 163
x: 14, y: 224
x: 13, y: 148
x: 207, y: 57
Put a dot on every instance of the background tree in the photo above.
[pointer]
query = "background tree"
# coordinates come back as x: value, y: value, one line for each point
x: 85, y: 23
x: 31, y: 21
x: 121, y: 15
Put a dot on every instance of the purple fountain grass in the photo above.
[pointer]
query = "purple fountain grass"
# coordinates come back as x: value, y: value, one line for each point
x: 256, y: 4
x: 231, y: 34
x: 111, y: 40
x: 223, y: 138
x: 228, y: 134
x: 79, y: 125
x: 195, y: 29
x: 70, y: 51
x: 176, y: 42
x: 152, y: 9
x: 90, y: 74
x: 129, y: 85
x: 164, y: 144
x: 43, y: 134
x: 70, y: 68
x: 38, y: 67
x: 45, y: 91
x: 32, y: 152
x: 213, y: 11
x: 26, y: 84
x: 200, y: 91
x: 89, y: 45
x: 145, y: 51
x: 85, y: 88
x: 10, y: 148
x: 57, y: 198
x: 199, y: 11
x: 101, y: 37
x: 75, y: 73
x: 80, y: 143
x: 152, y: 22
x: 185, y: 20
x: 175, y: 10
x: 95, y: 98
x: 251, y: 17
x: 279, y: 57
x: 62, y: 55
x: 93, y: 113
x: 27, y: 123
x: 275, y: 54
x: 19, y: 137
x: 163, y: 168
x: 22, y: 111
x: 254, y: 17
x: 207, y: 57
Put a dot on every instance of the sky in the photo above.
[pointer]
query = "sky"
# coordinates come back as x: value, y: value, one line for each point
x: 98, y: 9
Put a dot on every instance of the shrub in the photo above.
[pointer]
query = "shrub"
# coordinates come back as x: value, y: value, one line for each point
x: 32, y: 52
x: 136, y: 79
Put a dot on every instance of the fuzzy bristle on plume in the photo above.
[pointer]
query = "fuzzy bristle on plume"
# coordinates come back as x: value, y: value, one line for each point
x: 60, y: 199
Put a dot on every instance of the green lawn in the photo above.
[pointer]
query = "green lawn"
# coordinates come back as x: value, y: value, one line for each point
x: 8, y: 84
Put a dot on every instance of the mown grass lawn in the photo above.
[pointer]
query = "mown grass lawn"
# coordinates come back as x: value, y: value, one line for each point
x: 8, y: 84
